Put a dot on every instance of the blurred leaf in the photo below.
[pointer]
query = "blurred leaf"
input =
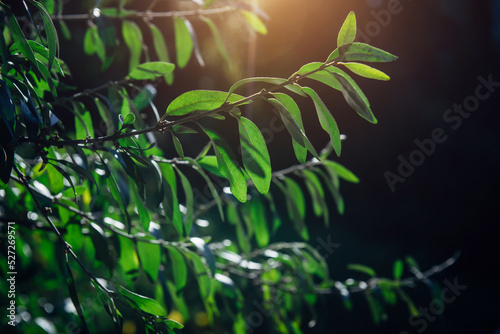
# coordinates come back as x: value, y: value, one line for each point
x: 128, y: 256
x: 259, y: 221
x: 177, y: 145
x: 398, y: 269
x: 347, y: 32
x: 206, y: 252
x: 188, y: 193
x: 64, y: 29
x: 411, y: 262
x: 199, y: 100
x: 74, y: 296
x: 255, y: 154
x: 132, y: 36
x: 179, y: 269
x: 411, y: 306
x: 211, y: 187
x: 183, y: 42
x: 161, y: 49
x: 296, y: 205
x: 362, y: 269
x: 326, y: 119
x: 151, y: 70
x: 7, y: 109
x: 360, y: 52
x: 228, y: 166
x: 367, y: 71
x: 150, y: 257
x: 315, y: 188
x: 254, y: 21
x: 93, y: 44
x: 218, y: 40
x: 18, y: 36
x: 341, y: 171
x: 145, y: 304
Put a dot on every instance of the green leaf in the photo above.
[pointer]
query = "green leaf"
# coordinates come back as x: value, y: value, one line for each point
x: 203, y: 248
x: 321, y: 76
x: 398, y: 269
x: 274, y: 81
x: 128, y: 257
x: 347, y: 32
x: 151, y: 70
x: 106, y: 116
x: 202, y: 275
x: 93, y: 44
x: 199, y: 100
x: 19, y: 39
x: 161, y: 49
x: 188, y: 193
x: 228, y: 166
x: 179, y: 268
x: 315, y: 188
x: 210, y: 185
x: 150, y: 257
x: 326, y: 119
x: 218, y: 40
x: 50, y: 32
x: 118, y: 197
x: 341, y: 171
x: 293, y: 127
x: 129, y: 119
x: 255, y: 22
x: 353, y: 94
x: 293, y: 109
x: 411, y: 306
x: 183, y: 42
x: 367, y: 71
x: 177, y: 145
x: 133, y: 39
x: 296, y: 206
x: 258, y: 220
x: 65, y: 30
x: 362, y: 268
x: 360, y: 52
x: 209, y: 163
x: 255, y: 154
x: 143, y: 303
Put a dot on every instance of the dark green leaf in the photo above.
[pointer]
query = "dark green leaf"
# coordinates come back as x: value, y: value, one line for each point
x: 353, y: 94
x: 228, y: 165
x: 210, y: 185
x: 50, y: 32
x: 177, y: 145
x: 188, y: 193
x: 19, y: 39
x: 255, y: 154
x: 74, y: 296
x: 128, y: 257
x: 293, y: 128
x: 326, y: 119
x: 315, y: 188
x: 93, y: 44
x: 360, y: 52
x: 296, y: 206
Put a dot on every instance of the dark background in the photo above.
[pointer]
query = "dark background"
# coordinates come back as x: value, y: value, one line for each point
x: 449, y: 203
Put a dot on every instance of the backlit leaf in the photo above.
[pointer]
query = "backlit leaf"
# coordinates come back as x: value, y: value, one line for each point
x: 347, y: 32
x: 199, y: 100
x: 183, y: 42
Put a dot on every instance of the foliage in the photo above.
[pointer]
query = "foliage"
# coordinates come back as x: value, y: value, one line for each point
x: 99, y: 202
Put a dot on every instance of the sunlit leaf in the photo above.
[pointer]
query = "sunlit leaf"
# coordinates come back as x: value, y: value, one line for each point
x: 347, y: 32
x: 341, y: 171
x: 199, y: 100
x: 255, y: 22
x: 133, y: 39
x: 151, y: 70
x: 161, y: 49
x: 183, y: 42
x: 367, y: 71
x: 143, y: 303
